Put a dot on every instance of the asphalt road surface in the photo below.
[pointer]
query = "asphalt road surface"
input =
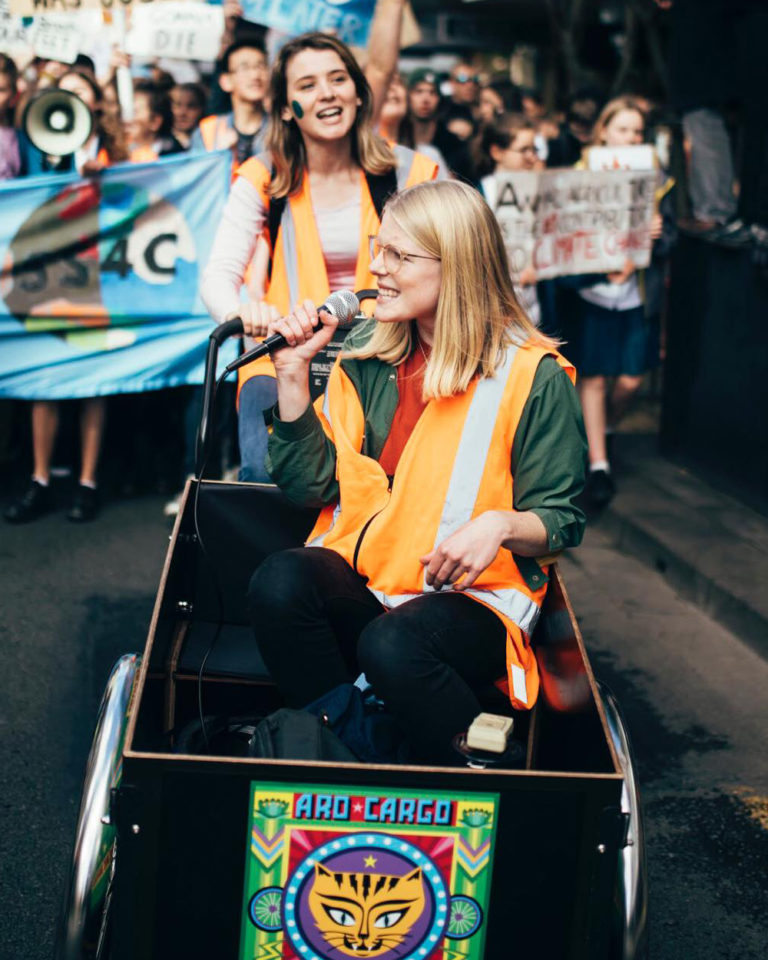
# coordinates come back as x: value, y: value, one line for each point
x: 74, y: 598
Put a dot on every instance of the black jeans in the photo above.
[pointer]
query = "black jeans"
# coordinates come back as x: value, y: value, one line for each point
x: 317, y: 625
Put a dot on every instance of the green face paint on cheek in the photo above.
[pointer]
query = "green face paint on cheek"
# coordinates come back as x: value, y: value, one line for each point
x: 297, y: 111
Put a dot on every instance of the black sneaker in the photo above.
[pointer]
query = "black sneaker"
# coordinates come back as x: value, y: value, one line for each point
x: 600, y: 488
x: 85, y: 505
x: 33, y: 504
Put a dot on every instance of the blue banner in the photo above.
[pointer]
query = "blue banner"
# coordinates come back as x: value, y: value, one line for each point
x: 99, y: 277
x: 349, y: 20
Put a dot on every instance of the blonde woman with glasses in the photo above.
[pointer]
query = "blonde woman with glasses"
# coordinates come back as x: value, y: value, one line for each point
x: 446, y: 455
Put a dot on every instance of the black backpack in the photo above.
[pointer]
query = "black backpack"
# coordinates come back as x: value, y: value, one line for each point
x: 284, y: 735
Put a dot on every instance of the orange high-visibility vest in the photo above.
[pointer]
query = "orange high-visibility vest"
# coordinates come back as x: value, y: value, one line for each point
x: 455, y: 466
x: 213, y: 130
x: 298, y: 265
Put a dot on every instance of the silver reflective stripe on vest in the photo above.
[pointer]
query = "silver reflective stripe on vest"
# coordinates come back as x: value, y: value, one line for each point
x: 320, y: 538
x: 511, y: 603
x: 472, y: 453
x: 405, y: 158
x: 290, y: 256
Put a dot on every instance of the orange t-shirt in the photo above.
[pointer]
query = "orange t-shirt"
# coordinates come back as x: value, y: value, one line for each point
x: 410, y: 406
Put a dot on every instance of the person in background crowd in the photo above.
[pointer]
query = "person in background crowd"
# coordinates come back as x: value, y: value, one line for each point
x: 244, y: 75
x: 105, y: 146
x: 150, y: 131
x: 576, y: 132
x: 610, y: 336
x: 188, y: 105
x: 508, y: 144
x: 10, y: 159
x: 496, y: 98
x: 449, y: 347
x: 396, y: 127
x: 531, y: 104
x: 10, y: 167
x: 465, y: 85
x: 326, y: 166
x: 428, y: 128
x: 461, y: 123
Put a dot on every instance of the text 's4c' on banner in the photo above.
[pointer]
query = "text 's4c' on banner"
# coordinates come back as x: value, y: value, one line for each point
x: 99, y: 278
x: 336, y: 872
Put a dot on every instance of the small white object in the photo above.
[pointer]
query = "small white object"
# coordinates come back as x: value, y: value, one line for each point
x: 489, y: 731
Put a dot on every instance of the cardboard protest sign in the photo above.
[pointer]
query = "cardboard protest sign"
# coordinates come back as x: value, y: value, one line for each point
x: 349, y: 20
x: 639, y: 157
x: 14, y: 35
x: 32, y: 8
x: 565, y: 222
x: 56, y: 36
x: 182, y: 31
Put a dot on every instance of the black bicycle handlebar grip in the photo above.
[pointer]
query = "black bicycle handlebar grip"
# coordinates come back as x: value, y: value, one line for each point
x: 230, y: 328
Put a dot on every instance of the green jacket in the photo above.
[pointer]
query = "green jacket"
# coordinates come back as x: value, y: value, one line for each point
x: 548, y: 454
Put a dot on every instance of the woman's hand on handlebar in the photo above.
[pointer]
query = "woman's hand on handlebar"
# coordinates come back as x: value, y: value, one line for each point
x: 256, y: 316
x: 305, y: 335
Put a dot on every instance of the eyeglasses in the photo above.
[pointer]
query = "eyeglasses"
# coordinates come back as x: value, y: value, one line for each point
x: 254, y: 66
x: 392, y: 257
x: 530, y: 150
x: 462, y: 77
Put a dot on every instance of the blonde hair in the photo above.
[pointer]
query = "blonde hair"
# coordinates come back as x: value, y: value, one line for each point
x: 609, y: 111
x: 478, y: 315
x: 284, y: 140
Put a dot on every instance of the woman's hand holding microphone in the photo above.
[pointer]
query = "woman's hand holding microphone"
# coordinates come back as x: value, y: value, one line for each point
x: 305, y: 334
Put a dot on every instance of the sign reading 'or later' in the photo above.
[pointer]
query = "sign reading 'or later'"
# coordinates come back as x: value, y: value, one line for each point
x: 565, y: 222
x: 182, y: 31
x: 349, y: 20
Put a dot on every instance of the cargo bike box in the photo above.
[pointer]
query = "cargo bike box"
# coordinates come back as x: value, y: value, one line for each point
x: 204, y: 856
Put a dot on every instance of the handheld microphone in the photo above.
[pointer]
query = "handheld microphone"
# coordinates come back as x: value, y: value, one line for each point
x: 342, y: 304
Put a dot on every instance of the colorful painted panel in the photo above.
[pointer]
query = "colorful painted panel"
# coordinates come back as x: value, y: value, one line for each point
x: 334, y: 873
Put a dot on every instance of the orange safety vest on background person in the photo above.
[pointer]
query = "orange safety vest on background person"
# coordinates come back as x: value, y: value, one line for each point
x: 215, y: 132
x: 298, y: 265
x: 455, y: 466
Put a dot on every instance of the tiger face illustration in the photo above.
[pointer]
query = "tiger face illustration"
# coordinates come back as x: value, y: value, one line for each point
x: 365, y: 914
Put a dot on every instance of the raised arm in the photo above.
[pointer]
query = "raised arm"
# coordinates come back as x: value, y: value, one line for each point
x: 383, y: 50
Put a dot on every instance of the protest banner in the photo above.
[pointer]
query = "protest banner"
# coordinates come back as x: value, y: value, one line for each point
x: 564, y: 222
x: 57, y: 36
x: 99, y: 278
x: 349, y: 20
x: 183, y: 31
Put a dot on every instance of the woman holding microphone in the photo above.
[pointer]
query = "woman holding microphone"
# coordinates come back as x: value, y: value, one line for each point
x: 314, y: 196
x: 446, y: 454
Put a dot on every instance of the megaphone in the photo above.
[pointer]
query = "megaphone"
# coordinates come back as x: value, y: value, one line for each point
x: 57, y: 122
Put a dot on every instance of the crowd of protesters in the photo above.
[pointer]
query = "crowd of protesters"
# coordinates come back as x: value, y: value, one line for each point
x: 465, y: 124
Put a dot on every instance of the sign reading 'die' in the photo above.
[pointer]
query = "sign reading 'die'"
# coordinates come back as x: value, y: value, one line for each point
x: 349, y: 20
x: 333, y: 872
x: 564, y: 222
x: 180, y: 30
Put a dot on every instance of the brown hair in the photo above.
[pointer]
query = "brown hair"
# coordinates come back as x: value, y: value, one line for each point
x: 284, y: 140
x: 500, y: 133
x: 108, y: 129
x: 9, y: 68
x: 609, y: 111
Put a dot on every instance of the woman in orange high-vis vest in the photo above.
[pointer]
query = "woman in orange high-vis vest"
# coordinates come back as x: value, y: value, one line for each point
x: 321, y: 155
x: 446, y: 453
x: 105, y: 146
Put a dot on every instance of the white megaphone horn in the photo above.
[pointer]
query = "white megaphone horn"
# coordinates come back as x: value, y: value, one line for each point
x: 57, y: 122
